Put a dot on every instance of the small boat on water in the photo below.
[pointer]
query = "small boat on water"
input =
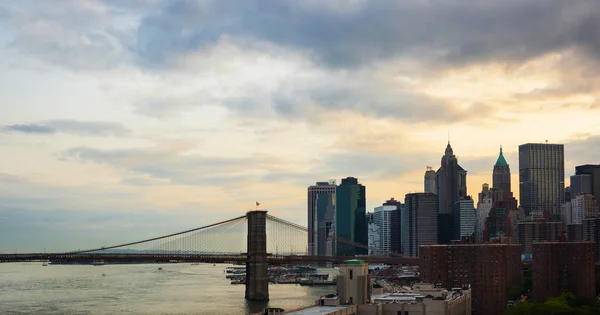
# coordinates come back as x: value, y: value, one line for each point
x: 98, y: 262
x: 317, y: 278
x: 45, y: 264
x: 236, y: 270
x: 104, y: 275
x: 311, y: 282
x: 159, y: 268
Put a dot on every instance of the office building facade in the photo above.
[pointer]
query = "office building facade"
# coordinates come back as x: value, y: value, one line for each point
x: 420, y: 218
x: 373, y: 235
x: 583, y: 206
x: 430, y: 186
x: 484, y: 206
x: 594, y: 172
x: 350, y: 218
x: 581, y: 184
x: 541, y: 177
x: 384, y: 216
x: 321, y: 209
x: 464, y: 218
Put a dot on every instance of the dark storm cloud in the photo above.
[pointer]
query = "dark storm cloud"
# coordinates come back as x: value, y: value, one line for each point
x: 82, y: 128
x: 445, y: 31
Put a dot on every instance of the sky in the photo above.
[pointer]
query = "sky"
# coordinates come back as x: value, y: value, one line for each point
x: 127, y: 119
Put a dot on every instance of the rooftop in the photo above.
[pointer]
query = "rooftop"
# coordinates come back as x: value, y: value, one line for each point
x: 472, y: 245
x: 319, y: 310
x: 421, y: 292
x: 354, y: 262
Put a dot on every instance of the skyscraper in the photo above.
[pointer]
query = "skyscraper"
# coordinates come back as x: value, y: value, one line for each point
x: 542, y: 177
x: 464, y: 218
x: 350, y: 218
x: 451, y: 186
x: 420, y: 221
x: 580, y: 184
x: 373, y: 235
x: 430, y: 180
x: 501, y: 174
x: 388, y: 227
x: 594, y: 171
x: 321, y: 204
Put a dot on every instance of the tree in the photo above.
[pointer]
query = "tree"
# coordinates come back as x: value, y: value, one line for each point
x: 564, y: 304
x: 514, y: 293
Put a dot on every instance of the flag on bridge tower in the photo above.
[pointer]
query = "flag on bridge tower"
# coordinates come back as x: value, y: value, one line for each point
x: 257, y: 204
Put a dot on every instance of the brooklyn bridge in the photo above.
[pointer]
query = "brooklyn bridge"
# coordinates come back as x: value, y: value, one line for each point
x: 256, y: 239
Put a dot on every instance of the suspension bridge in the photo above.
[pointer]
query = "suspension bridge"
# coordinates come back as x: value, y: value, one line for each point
x: 256, y: 239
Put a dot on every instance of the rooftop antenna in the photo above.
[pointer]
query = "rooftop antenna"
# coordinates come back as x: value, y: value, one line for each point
x: 546, y: 141
x: 448, y: 136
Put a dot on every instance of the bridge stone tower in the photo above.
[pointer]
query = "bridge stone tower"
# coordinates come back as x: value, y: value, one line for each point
x: 257, y: 277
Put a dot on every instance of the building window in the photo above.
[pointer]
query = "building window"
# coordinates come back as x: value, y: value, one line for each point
x: 351, y: 273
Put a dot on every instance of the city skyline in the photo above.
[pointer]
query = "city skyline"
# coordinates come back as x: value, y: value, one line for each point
x: 117, y: 120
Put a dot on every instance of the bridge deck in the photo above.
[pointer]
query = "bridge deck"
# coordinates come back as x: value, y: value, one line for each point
x: 159, y: 258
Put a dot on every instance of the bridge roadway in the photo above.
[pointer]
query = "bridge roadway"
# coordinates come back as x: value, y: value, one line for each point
x: 190, y: 258
x: 165, y: 258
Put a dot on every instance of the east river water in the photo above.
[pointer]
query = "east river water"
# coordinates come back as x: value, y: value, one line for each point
x: 30, y: 288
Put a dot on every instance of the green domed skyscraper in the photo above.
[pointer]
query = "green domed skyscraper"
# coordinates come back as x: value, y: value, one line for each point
x: 501, y: 174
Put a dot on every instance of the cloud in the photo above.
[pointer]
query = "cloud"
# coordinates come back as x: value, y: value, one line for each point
x: 301, y: 59
x: 30, y: 128
x: 79, y: 35
x: 179, y: 167
x: 266, y: 81
x: 75, y: 127
x: 444, y: 32
x: 8, y: 178
x: 581, y: 151
x: 341, y: 34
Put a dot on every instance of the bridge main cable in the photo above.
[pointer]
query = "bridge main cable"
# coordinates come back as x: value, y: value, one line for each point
x: 156, y: 238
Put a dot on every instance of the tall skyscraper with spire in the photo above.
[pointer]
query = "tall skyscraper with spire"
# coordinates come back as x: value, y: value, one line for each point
x: 501, y: 174
x: 451, y: 186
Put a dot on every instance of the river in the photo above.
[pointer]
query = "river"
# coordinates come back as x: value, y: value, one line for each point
x: 30, y: 288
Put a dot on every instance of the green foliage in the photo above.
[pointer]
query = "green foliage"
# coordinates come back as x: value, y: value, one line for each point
x: 527, y: 284
x: 564, y: 304
x: 514, y: 293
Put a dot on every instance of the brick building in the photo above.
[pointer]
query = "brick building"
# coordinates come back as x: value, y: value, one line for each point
x: 591, y: 232
x: 538, y: 231
x: 489, y: 268
x: 560, y: 267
